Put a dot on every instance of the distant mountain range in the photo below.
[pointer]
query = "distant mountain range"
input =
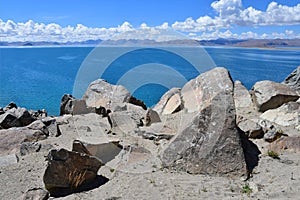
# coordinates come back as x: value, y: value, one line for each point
x: 260, y: 43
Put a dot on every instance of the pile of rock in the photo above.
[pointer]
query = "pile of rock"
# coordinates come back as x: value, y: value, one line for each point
x: 207, y: 127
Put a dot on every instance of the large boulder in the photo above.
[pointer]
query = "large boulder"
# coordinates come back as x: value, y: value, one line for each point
x: 269, y: 95
x: 15, y: 117
x: 199, y: 92
x: 69, y: 170
x: 100, y: 93
x: 210, y: 143
x: 293, y: 80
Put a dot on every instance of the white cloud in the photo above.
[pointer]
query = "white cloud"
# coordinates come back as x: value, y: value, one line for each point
x: 231, y: 13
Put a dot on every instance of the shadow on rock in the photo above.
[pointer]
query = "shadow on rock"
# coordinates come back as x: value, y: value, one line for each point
x: 97, y: 182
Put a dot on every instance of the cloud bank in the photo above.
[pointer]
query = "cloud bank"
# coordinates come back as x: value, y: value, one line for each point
x: 230, y: 16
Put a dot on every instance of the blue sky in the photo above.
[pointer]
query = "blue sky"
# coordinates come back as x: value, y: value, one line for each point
x: 30, y: 19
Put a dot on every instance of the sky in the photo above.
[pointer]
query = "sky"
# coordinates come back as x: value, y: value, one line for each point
x: 78, y: 20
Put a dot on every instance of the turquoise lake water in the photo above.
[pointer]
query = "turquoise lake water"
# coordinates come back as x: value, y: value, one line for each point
x: 36, y: 78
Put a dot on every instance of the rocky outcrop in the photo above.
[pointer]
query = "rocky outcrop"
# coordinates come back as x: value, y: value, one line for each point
x: 291, y: 144
x: 210, y: 143
x: 293, y: 80
x: 151, y: 117
x: 69, y: 170
x: 65, y: 107
x: 269, y: 95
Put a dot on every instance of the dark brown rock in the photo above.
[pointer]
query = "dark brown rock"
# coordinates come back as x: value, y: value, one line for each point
x: 70, y: 170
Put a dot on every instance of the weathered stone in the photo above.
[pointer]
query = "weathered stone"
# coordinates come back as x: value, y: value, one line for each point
x: 199, y: 92
x: 272, y: 135
x: 251, y: 128
x: 15, y: 117
x: 101, y: 93
x: 293, y: 80
x: 285, y: 115
x: 36, y: 194
x: 10, y: 106
x: 151, y: 117
x: 123, y: 122
x: 163, y: 102
x: 242, y: 97
x: 6, y: 160
x: 79, y: 107
x: 68, y: 169
x: 11, y: 139
x: 33, y: 147
x: 174, y: 104
x: 269, y: 95
x: 211, y: 143
x: 104, y: 149
x: 38, y: 114
x: 64, y: 104
x: 290, y: 144
x: 39, y: 125
x: 52, y: 126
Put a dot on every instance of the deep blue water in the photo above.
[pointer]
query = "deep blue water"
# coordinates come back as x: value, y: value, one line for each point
x: 37, y: 78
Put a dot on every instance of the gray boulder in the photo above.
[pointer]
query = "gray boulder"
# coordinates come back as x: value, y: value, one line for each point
x: 69, y: 170
x: 269, y: 95
x: 210, y: 143
x: 293, y: 80
x: 100, y: 93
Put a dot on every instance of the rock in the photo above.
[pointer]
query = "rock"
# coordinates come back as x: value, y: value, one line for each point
x: 242, y: 97
x: 104, y: 149
x: 175, y: 105
x: 64, y: 104
x: 36, y: 194
x: 101, y: 93
x: 69, y: 170
x: 39, y: 125
x: 269, y: 95
x: 251, y: 128
x: 11, y: 139
x: 6, y: 160
x: 285, y: 115
x: 246, y: 115
x: 199, y: 92
x: 1, y: 111
x: 151, y: 117
x: 272, y: 135
x: 15, y: 117
x: 290, y: 144
x: 137, y: 102
x: 33, y: 147
x: 52, y: 126
x: 10, y: 106
x: 293, y: 80
x: 150, y: 135
x: 39, y: 114
x: 123, y: 122
x: 211, y: 143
